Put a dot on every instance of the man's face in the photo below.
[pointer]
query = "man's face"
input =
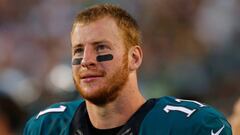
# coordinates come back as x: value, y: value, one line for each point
x: 99, y: 82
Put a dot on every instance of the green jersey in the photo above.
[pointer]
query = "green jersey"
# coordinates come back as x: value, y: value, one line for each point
x: 163, y: 116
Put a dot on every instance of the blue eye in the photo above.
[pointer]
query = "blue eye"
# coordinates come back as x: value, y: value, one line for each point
x: 101, y: 47
x: 78, y: 51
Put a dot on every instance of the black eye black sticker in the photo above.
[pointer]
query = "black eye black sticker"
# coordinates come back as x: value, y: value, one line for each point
x: 77, y: 61
x: 100, y: 58
x: 106, y: 57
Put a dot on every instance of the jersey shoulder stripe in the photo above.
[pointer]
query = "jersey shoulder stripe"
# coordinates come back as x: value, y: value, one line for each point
x: 53, y: 120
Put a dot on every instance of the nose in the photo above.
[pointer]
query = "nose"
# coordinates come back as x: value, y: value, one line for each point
x: 89, y: 57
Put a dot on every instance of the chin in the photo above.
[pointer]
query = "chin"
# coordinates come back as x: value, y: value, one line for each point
x: 98, y: 96
x: 90, y: 93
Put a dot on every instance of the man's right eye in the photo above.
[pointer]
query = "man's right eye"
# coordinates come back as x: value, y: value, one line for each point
x: 78, y: 51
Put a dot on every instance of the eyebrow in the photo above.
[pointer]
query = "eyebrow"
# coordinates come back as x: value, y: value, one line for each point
x: 93, y: 43
x: 78, y: 46
x: 100, y: 42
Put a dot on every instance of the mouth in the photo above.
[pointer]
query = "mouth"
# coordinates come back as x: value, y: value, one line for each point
x: 90, y: 77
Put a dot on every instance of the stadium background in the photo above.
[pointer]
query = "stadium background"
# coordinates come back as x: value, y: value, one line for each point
x: 191, y: 50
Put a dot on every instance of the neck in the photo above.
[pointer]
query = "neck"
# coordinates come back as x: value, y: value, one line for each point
x: 117, y: 112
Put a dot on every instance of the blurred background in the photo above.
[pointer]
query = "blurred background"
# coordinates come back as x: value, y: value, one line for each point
x: 191, y: 50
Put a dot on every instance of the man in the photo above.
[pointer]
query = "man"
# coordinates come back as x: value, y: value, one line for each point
x: 106, y: 54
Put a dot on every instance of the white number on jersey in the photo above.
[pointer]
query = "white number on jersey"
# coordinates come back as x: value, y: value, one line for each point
x: 183, y: 109
x: 61, y: 108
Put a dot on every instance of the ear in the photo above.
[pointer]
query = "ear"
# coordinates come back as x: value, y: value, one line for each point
x: 135, y: 57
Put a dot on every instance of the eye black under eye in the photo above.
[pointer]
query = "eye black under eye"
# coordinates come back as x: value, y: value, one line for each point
x: 77, y: 61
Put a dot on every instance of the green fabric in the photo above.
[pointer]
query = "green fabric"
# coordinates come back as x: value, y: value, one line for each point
x: 200, y: 122
x: 52, y: 123
x: 168, y: 117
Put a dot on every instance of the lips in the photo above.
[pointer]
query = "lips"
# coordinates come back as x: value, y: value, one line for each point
x: 88, y: 77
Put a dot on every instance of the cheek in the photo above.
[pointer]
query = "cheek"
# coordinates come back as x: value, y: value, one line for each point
x: 75, y: 70
x: 113, y: 65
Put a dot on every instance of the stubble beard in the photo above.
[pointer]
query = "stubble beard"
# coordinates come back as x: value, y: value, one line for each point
x: 110, y: 91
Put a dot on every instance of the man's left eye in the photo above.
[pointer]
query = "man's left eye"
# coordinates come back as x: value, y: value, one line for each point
x: 101, y: 47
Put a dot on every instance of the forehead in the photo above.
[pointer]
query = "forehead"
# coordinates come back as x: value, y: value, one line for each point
x: 104, y: 29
